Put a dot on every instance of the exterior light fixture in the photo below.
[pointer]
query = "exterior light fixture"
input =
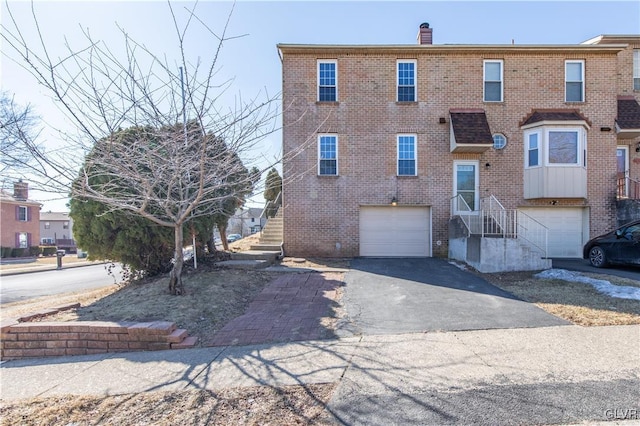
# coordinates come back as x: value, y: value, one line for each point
x: 394, y: 201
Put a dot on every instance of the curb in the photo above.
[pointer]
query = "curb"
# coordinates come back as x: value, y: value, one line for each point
x: 45, y: 268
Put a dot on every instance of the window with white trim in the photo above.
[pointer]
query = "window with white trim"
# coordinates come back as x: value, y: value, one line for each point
x: 23, y: 240
x: 574, y: 81
x: 533, y: 150
x: 23, y: 214
x: 328, y: 155
x: 499, y: 141
x: 407, y: 155
x: 406, y: 80
x: 555, y: 146
x: 636, y: 69
x: 327, y: 81
x: 493, y: 76
x: 47, y: 240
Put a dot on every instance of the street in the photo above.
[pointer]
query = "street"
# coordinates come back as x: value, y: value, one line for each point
x: 20, y: 287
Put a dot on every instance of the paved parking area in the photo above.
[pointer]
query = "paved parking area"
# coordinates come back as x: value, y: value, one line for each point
x: 390, y: 296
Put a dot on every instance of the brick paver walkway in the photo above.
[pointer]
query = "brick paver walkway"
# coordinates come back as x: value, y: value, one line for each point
x: 292, y: 307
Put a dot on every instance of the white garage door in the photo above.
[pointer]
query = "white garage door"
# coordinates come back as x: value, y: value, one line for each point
x: 395, y: 231
x: 566, y: 230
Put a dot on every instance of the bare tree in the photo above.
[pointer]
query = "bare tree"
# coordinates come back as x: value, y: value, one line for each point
x: 182, y: 160
x: 18, y: 135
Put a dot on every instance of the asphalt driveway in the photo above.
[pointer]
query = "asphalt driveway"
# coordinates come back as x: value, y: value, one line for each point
x: 391, y: 296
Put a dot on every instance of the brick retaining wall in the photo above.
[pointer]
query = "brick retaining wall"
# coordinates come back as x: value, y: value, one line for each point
x: 42, y: 339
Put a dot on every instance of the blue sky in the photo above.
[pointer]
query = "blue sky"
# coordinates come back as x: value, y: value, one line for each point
x: 252, y: 60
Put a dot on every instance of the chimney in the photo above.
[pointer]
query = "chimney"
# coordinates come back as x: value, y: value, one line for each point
x: 425, y: 36
x: 21, y: 190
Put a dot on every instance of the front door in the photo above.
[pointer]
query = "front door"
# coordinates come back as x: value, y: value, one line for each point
x: 466, y: 185
x: 622, y: 160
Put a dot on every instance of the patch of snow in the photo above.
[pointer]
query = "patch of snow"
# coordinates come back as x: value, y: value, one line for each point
x: 459, y: 265
x: 603, y: 286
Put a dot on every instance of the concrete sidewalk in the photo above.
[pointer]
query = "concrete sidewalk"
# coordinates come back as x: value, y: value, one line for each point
x: 564, y: 374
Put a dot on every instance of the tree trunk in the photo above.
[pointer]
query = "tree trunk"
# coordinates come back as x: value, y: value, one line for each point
x: 223, y: 237
x: 175, y: 276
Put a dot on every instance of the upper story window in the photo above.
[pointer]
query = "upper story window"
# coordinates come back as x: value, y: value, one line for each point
x: 636, y: 69
x: 328, y: 155
x: 22, y: 213
x: 406, y: 80
x: 327, y: 81
x: 493, y: 76
x: 406, y: 155
x: 555, y: 147
x: 47, y: 225
x: 574, y: 81
x: 65, y: 225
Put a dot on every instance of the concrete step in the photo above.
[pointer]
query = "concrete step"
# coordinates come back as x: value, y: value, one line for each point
x: 268, y: 231
x: 272, y: 239
x: 187, y: 343
x: 245, y: 264
x: 256, y: 254
x: 272, y: 247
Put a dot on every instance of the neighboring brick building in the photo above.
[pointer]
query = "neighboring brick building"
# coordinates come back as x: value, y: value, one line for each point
x: 19, y: 218
x: 378, y: 140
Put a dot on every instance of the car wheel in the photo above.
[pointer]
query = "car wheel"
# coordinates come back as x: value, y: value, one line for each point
x: 597, y: 257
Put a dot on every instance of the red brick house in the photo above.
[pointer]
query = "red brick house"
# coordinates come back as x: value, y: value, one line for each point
x: 19, y: 218
x: 436, y: 150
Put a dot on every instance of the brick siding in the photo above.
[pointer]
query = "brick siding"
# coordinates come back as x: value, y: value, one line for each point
x: 321, y: 212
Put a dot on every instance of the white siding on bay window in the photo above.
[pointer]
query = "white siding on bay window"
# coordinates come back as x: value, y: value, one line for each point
x: 560, y: 171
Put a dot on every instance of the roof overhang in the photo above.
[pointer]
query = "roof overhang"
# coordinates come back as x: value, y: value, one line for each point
x: 469, y: 131
x: 317, y: 49
x: 628, y: 118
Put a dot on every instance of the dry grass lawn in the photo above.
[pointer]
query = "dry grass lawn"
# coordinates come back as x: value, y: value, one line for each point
x: 292, y: 405
x: 576, y: 302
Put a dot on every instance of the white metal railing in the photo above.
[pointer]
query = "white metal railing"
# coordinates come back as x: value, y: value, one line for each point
x: 493, y: 220
x: 532, y: 231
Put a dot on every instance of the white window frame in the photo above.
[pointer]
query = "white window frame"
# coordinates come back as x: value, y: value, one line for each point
x: 23, y: 240
x: 415, y: 154
x: 476, y: 189
x: 320, y: 136
x: 485, y: 80
x: 501, y: 145
x: 636, y: 69
x: 581, y: 81
x: 528, y: 149
x: 544, y: 149
x: 579, y: 148
x: 326, y: 61
x: 24, y: 209
x: 415, y: 78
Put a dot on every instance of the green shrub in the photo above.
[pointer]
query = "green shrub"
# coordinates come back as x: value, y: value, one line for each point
x: 17, y: 252
x: 35, y: 251
x: 49, y: 251
x: 5, y: 251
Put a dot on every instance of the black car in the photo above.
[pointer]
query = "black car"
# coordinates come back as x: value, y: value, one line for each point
x: 621, y: 246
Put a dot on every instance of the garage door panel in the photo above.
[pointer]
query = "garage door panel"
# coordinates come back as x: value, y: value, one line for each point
x: 566, y: 226
x: 394, y: 231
